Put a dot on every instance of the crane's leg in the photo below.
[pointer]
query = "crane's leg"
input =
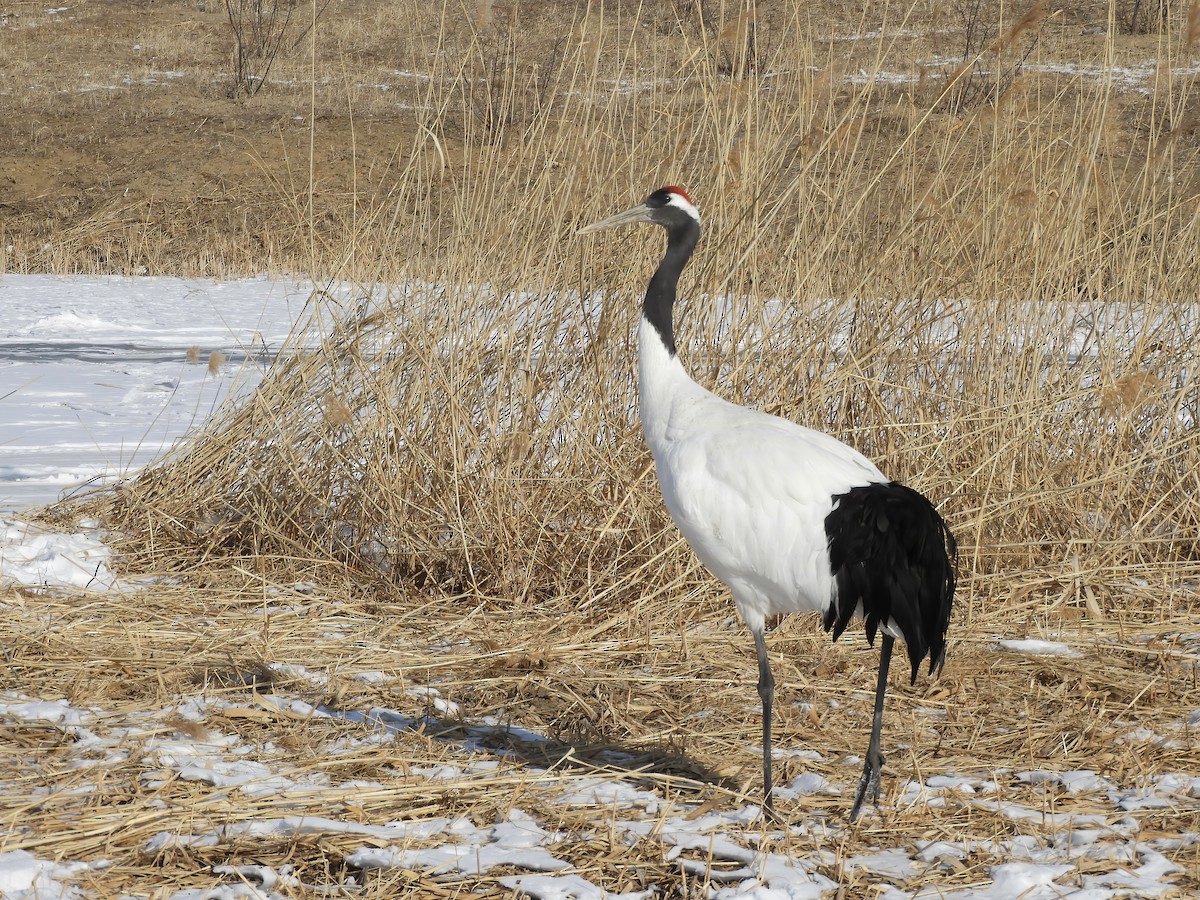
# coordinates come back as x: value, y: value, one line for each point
x: 766, y: 690
x: 869, y: 784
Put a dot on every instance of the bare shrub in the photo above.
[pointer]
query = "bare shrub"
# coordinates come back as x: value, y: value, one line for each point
x: 992, y: 59
x: 513, y: 77
x: 737, y: 45
x: 1142, y: 16
x: 259, y: 32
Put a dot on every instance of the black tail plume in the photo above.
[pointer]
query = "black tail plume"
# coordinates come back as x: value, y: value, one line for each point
x: 895, y: 561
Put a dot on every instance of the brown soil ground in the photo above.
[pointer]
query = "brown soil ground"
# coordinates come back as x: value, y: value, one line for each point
x: 123, y: 148
x: 123, y: 151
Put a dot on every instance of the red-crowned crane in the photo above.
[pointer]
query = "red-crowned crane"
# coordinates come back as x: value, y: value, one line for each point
x: 787, y: 517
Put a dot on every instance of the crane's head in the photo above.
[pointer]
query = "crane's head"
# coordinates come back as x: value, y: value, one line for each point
x: 669, y: 206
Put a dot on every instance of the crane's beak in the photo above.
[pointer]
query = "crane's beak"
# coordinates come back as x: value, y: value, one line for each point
x: 639, y: 213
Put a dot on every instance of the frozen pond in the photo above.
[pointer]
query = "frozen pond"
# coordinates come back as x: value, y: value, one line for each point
x: 102, y: 374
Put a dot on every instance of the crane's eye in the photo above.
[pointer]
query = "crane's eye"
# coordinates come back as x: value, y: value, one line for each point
x: 680, y: 194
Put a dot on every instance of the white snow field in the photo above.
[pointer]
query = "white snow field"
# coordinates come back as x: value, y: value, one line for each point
x: 98, y: 375
x: 95, y: 377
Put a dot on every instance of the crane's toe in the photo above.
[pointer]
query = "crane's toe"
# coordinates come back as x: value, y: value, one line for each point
x: 868, y: 785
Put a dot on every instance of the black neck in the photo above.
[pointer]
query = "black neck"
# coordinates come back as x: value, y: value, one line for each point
x: 660, y: 294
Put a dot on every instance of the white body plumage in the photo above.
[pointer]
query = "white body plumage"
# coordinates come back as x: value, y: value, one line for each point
x: 749, y: 491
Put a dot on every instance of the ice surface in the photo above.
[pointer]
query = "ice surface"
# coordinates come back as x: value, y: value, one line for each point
x: 95, y: 375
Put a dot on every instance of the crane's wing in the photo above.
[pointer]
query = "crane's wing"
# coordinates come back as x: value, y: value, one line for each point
x: 750, y: 493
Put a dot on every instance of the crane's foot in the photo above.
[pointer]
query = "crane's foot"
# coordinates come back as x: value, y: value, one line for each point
x: 868, y: 785
x: 771, y: 814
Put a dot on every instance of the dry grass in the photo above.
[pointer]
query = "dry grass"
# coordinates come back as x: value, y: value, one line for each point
x: 644, y: 683
x: 1012, y: 331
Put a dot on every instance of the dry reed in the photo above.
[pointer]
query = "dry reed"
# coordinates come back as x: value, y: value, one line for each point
x: 473, y: 431
x: 1030, y: 21
x: 1000, y: 309
x: 673, y: 695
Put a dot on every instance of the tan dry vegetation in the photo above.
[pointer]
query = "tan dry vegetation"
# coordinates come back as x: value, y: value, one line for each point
x: 644, y: 682
x: 1011, y: 330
